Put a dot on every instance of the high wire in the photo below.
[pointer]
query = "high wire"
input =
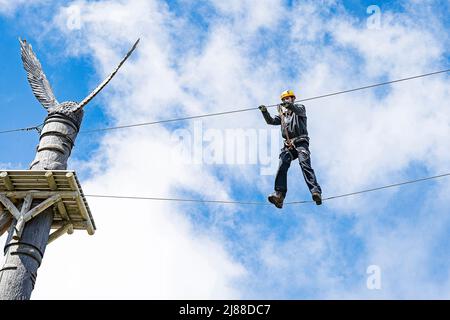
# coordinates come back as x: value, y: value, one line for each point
x: 241, y: 110
x: 265, y: 203
x: 269, y: 106
x: 37, y: 128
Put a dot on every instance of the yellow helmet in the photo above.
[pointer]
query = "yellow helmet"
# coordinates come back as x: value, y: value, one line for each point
x: 287, y: 93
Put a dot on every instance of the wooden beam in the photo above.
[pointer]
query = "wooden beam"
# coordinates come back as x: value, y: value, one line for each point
x: 85, y: 215
x: 59, y: 232
x: 7, y: 181
x: 38, y: 194
x: 51, y: 180
x: 26, y: 205
x: 79, y: 225
x: 83, y: 210
x: 72, y: 182
x: 21, y: 221
x: 41, y: 207
x: 5, y: 220
x: 63, y: 212
x: 10, y: 206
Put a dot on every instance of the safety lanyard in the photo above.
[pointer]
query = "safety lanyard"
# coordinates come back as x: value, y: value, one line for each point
x: 283, y: 124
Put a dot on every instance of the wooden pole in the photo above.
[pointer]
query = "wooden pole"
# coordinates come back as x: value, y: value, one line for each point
x: 24, y: 255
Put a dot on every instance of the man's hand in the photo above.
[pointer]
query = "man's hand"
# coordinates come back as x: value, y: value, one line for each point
x: 262, y: 108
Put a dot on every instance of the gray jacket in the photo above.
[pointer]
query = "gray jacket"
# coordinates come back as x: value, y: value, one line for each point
x: 295, y: 122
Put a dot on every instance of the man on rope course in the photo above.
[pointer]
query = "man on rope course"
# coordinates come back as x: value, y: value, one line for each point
x: 292, y: 118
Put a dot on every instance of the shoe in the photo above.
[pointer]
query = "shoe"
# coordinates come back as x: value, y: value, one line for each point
x: 317, y: 197
x: 277, y: 199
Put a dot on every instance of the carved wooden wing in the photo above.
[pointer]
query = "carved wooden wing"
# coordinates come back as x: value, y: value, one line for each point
x: 36, y: 77
x: 108, y: 79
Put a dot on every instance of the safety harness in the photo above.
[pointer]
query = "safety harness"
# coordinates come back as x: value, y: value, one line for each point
x: 288, y: 142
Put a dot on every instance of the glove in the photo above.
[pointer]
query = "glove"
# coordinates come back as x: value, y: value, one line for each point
x: 262, y: 108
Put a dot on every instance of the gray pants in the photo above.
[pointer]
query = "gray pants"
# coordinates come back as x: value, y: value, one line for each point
x: 301, y: 152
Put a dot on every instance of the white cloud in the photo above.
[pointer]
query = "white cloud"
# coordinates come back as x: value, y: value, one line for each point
x: 9, y: 7
x: 249, y: 15
x: 10, y: 166
x: 305, y: 261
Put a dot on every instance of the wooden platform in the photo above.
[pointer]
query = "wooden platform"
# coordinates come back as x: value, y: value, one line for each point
x: 59, y: 189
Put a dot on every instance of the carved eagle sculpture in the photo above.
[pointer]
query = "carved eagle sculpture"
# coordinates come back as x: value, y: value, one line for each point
x: 42, y: 89
x: 62, y: 123
x: 64, y: 119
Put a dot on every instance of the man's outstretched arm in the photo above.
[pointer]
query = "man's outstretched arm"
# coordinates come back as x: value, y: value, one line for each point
x: 273, y: 121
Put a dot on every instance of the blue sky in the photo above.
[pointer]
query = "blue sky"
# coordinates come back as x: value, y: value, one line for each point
x: 245, y: 58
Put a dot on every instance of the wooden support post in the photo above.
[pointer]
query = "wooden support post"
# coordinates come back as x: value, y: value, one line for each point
x: 51, y: 180
x: 10, y: 206
x: 42, y: 206
x: 26, y: 205
x: 72, y: 182
x: 59, y: 232
x: 21, y: 221
x: 7, y: 181
x: 63, y: 212
x: 26, y: 214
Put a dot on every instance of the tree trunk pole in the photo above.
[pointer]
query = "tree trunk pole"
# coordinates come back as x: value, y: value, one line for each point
x: 23, y: 257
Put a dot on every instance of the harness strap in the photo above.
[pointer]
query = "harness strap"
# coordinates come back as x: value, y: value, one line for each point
x: 289, y: 143
x: 303, y: 137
